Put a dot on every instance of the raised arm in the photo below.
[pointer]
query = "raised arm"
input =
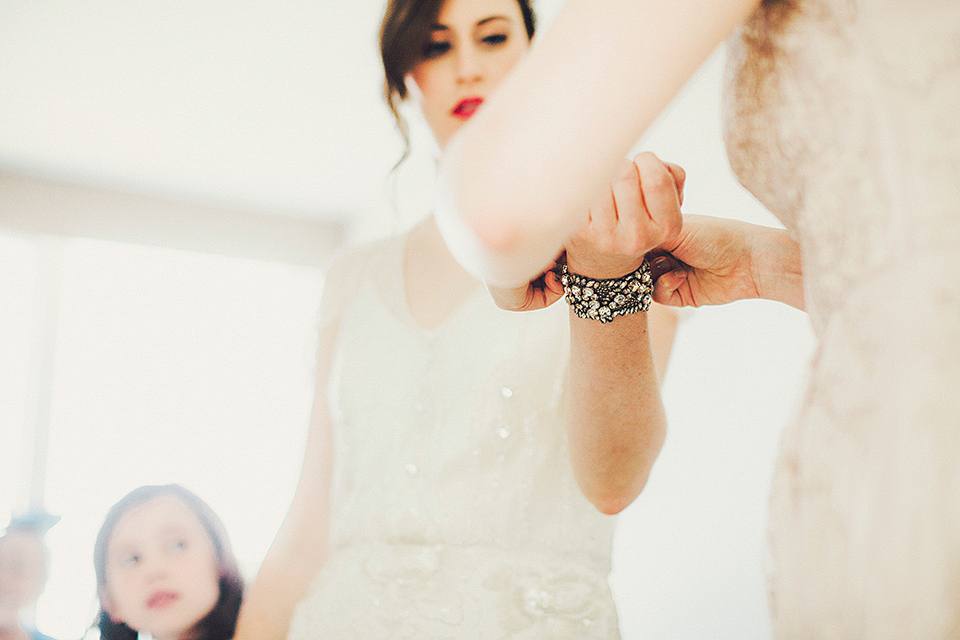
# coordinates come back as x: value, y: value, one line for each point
x: 301, y: 545
x: 517, y: 179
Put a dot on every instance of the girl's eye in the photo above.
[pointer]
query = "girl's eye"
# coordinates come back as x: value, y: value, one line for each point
x: 177, y: 545
x: 129, y: 560
x: 495, y: 39
x: 435, y: 49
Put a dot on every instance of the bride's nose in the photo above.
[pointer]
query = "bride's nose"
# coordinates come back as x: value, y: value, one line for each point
x: 469, y: 65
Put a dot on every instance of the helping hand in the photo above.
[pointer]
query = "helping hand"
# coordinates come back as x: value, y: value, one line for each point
x: 718, y: 260
x: 539, y: 293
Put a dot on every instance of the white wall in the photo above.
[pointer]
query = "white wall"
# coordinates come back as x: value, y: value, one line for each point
x: 270, y: 105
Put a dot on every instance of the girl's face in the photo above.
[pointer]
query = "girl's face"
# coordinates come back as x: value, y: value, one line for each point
x: 162, y: 574
x: 473, y: 45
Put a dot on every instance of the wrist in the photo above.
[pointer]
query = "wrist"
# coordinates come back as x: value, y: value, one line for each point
x: 604, y: 299
x: 605, y: 268
x: 779, y: 267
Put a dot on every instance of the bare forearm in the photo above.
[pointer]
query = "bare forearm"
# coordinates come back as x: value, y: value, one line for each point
x: 779, y: 265
x: 616, y: 424
x: 301, y: 546
x: 298, y: 552
x: 281, y: 583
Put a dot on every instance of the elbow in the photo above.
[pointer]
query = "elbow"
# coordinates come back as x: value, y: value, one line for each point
x: 466, y: 206
x: 494, y: 222
x: 496, y: 231
x: 612, y: 482
x: 475, y: 192
x: 486, y: 220
x: 611, y: 505
x: 478, y: 233
x: 490, y: 242
x: 614, y: 499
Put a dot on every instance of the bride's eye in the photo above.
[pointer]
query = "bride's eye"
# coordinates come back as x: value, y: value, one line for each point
x: 435, y: 49
x: 495, y: 39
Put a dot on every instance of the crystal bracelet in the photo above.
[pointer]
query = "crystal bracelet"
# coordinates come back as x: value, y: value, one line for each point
x: 605, y: 299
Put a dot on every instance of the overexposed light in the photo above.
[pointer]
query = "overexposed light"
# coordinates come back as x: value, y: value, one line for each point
x: 173, y: 366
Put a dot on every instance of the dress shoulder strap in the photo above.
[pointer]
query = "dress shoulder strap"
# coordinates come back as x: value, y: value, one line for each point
x: 347, y: 274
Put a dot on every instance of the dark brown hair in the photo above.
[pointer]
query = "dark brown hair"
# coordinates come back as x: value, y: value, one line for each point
x: 220, y: 623
x: 404, y: 33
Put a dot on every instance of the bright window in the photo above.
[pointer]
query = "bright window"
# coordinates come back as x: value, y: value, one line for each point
x: 18, y: 269
x: 169, y: 366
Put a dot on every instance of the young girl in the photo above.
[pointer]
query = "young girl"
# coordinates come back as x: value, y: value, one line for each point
x: 164, y: 567
x: 449, y: 487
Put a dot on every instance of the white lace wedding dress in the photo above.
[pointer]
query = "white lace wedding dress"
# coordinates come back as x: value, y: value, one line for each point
x: 456, y: 513
x: 844, y: 119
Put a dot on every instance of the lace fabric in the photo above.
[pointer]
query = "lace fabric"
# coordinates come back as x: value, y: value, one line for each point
x: 842, y: 118
x: 391, y: 590
x: 456, y: 513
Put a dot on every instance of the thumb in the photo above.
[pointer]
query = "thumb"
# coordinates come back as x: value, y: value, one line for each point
x: 666, y: 289
x: 662, y: 262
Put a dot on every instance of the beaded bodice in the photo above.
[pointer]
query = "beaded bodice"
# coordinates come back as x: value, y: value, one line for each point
x: 454, y: 497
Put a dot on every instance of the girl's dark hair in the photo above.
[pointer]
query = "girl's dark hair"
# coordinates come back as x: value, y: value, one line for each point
x: 404, y: 33
x: 220, y: 623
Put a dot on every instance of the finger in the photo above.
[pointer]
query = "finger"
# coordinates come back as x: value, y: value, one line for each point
x: 632, y: 215
x: 598, y: 216
x: 510, y: 299
x: 553, y: 285
x: 605, y: 217
x: 660, y: 196
x: 679, y: 177
x: 667, y: 288
x: 661, y: 263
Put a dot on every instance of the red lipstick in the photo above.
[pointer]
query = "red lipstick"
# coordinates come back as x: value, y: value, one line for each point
x: 466, y: 107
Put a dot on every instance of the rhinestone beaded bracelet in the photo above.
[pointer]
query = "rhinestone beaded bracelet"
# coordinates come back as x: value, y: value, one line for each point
x: 605, y: 299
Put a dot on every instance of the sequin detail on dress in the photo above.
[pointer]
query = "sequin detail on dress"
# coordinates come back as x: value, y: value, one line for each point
x: 456, y: 512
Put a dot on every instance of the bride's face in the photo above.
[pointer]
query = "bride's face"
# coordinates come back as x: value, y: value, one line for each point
x: 472, y: 46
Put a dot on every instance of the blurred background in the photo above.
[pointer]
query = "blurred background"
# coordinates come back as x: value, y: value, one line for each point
x: 174, y: 177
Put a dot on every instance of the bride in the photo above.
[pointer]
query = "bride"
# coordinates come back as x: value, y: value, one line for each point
x: 463, y: 461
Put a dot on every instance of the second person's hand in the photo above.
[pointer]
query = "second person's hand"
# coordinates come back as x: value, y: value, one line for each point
x: 719, y: 260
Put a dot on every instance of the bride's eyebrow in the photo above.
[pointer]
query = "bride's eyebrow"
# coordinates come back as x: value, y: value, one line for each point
x: 480, y: 23
x: 438, y: 27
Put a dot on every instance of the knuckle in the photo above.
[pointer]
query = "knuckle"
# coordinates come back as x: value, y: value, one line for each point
x: 646, y: 158
x: 654, y: 172
x: 660, y: 180
x: 674, y: 223
x: 681, y: 173
x: 627, y: 172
